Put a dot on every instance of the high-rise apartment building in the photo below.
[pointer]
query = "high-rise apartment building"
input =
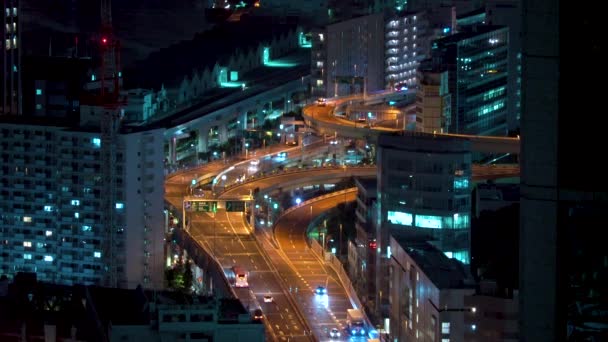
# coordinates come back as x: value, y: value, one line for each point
x: 407, y: 44
x: 477, y: 65
x: 11, y: 59
x: 51, y: 195
x: 347, y: 57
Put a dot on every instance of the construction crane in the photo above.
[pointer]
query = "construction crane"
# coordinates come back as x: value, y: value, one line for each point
x: 108, y: 99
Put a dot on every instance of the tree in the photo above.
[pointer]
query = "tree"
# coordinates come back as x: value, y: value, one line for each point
x: 188, y: 277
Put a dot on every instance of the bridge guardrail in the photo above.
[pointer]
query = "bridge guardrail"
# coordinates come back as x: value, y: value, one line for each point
x: 288, y: 294
x: 292, y: 171
x: 186, y: 234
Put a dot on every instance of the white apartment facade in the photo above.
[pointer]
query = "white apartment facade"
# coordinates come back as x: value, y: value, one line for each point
x: 51, y: 194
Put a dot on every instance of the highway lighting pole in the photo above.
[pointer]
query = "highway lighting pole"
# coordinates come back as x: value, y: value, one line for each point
x: 340, y: 251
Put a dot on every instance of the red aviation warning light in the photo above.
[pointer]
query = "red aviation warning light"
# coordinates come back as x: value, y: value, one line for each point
x: 104, y: 40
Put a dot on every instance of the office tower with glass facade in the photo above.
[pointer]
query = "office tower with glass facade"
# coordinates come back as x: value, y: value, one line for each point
x: 348, y: 57
x: 424, y: 191
x: 477, y: 64
x: 564, y: 190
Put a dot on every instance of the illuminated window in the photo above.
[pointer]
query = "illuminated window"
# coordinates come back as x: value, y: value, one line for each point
x: 86, y: 228
x: 120, y: 205
x: 38, y: 92
x: 445, y: 328
x: 266, y: 55
x: 38, y: 106
x: 461, y: 183
x: 48, y: 208
x: 76, y: 215
x: 75, y: 202
x: 321, y: 37
x: 27, y: 244
x: 27, y: 256
x: 319, y: 83
x: 27, y: 219
x: 96, y: 142
x: 398, y: 217
x: 428, y: 221
x: 48, y: 233
x: 48, y: 258
x: 97, y: 254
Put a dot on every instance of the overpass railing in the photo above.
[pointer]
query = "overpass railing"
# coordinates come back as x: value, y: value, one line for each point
x: 276, y: 172
x: 212, y: 264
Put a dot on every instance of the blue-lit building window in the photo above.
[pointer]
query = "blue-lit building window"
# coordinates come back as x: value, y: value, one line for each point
x: 96, y: 142
x: 461, y: 183
x: 120, y: 205
x: 398, y: 217
x: 38, y: 92
x: 429, y: 221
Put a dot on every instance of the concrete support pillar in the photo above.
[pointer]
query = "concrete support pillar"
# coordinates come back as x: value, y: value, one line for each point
x: 223, y: 132
x: 252, y: 216
x: 203, y: 139
x: 173, y: 150
x: 242, y: 118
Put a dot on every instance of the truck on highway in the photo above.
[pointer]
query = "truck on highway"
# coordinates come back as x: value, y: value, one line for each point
x: 356, y: 322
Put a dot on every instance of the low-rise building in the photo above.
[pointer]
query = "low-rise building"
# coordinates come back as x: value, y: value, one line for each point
x: 362, y: 251
x: 426, y: 292
x: 33, y: 310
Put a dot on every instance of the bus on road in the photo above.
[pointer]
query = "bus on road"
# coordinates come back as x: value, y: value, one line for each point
x: 240, y: 276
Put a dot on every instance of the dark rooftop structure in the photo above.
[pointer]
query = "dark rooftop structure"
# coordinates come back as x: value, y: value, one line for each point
x: 207, y: 48
x: 369, y: 184
x: 444, y: 272
x: 86, y: 313
x: 469, y: 33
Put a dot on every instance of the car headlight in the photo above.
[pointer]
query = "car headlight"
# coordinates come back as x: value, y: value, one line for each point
x: 353, y: 331
x: 362, y: 331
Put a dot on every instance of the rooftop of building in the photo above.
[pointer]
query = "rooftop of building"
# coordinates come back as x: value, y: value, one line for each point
x: 369, y: 185
x: 84, y: 307
x: 444, y: 272
x: 169, y: 65
x: 499, y: 191
x: 424, y: 142
x: 475, y: 12
x: 471, y: 32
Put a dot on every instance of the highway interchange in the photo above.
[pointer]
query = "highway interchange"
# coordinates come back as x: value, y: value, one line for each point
x: 280, y: 262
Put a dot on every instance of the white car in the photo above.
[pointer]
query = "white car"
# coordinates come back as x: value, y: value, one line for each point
x: 334, y: 333
x: 321, y: 101
x: 268, y: 299
x: 255, y: 162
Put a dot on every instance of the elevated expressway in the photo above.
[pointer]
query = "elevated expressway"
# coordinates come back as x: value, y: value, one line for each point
x: 322, y: 119
x: 291, y: 271
x: 294, y: 178
x: 229, y: 239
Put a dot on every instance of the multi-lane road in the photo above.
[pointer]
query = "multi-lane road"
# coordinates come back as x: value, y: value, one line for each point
x: 280, y: 262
